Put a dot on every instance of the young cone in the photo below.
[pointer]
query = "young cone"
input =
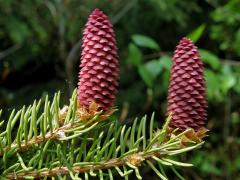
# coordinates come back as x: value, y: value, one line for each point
x: 186, y: 93
x: 98, y: 78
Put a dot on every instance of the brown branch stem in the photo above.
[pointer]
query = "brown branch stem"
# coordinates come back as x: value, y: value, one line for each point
x: 9, y: 51
x: 134, y: 159
x: 55, y: 134
x: 155, y: 55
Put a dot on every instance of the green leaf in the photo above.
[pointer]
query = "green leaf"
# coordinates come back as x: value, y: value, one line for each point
x: 237, y: 85
x: 134, y: 55
x: 237, y: 162
x: 228, y: 79
x: 196, y: 33
x: 145, y: 75
x: 213, y: 88
x: 18, y: 30
x: 209, y: 168
x: 237, y: 42
x: 145, y: 41
x: 165, y: 62
x: 154, y: 67
x: 210, y: 58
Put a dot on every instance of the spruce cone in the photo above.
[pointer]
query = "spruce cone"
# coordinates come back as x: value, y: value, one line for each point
x: 98, y: 78
x: 186, y: 93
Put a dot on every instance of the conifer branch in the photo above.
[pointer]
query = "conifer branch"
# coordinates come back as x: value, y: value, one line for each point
x: 57, y: 134
x: 54, y: 124
x: 116, y: 162
x: 133, y: 161
x: 118, y: 147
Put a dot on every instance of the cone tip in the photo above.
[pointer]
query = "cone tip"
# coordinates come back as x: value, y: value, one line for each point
x: 97, y: 11
x: 185, y: 40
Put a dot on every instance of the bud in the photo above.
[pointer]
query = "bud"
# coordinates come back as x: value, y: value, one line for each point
x: 98, y: 78
x: 186, y: 93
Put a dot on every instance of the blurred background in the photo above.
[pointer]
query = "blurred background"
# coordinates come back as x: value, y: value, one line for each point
x: 40, y: 50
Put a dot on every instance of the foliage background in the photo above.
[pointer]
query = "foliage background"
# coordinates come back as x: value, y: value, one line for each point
x: 40, y: 49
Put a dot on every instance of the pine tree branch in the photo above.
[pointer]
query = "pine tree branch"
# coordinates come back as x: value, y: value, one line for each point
x: 77, y: 141
x: 67, y: 120
x: 132, y: 159
x: 57, y: 134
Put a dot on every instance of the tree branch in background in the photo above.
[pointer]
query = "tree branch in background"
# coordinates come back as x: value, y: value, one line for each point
x: 231, y: 62
x: 71, y: 61
x: 123, y: 11
x: 159, y: 54
x: 155, y: 55
x: 9, y: 51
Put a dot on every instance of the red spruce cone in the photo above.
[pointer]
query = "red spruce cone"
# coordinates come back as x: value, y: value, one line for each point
x: 186, y: 93
x: 99, y: 62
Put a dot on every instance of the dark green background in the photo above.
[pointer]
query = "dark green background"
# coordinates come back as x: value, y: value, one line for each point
x: 40, y: 50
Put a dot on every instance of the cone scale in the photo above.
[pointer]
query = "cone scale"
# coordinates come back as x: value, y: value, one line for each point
x: 98, y: 78
x: 186, y: 92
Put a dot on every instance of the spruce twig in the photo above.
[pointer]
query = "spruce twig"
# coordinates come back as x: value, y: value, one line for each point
x: 57, y: 134
x: 135, y: 160
x: 106, y: 155
x: 27, y: 133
